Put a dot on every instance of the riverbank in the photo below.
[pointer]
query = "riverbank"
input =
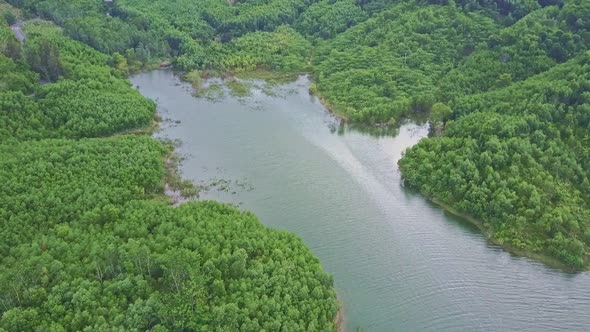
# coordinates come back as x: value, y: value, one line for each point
x: 176, y: 189
x: 326, y: 104
x: 339, y: 319
x: 489, y: 234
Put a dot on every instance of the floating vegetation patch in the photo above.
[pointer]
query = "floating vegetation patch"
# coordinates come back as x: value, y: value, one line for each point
x: 213, y: 92
x: 238, y: 88
x: 227, y: 185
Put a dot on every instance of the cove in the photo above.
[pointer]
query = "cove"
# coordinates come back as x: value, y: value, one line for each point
x: 399, y: 262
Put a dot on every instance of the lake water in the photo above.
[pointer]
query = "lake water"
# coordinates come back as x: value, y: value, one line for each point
x: 399, y: 262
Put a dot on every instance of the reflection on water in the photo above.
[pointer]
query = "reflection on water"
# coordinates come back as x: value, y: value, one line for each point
x: 400, y: 263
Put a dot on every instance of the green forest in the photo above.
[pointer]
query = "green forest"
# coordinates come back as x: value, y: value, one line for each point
x: 89, y: 241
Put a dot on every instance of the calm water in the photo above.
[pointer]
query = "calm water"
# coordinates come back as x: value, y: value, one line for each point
x: 400, y: 263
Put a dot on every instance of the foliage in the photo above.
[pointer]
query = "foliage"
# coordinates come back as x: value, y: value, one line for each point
x: 518, y: 158
x: 283, y: 50
x: 82, y: 249
x: 9, y: 46
x: 88, y: 241
x: 388, y: 65
x: 48, y: 182
x: 89, y: 99
x: 87, y: 21
x: 532, y: 45
x: 15, y: 76
x: 194, y: 78
x: 326, y: 19
x: 10, y: 14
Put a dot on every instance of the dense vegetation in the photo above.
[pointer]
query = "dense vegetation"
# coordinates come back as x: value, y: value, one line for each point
x: 504, y: 80
x: 518, y: 158
x: 374, y: 61
x: 89, y: 242
x: 378, y: 71
x: 514, y: 146
x: 82, y: 249
x: 87, y: 99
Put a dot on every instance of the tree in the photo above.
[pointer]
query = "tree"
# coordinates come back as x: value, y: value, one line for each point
x: 120, y: 62
x: 10, y: 17
x: 439, y: 116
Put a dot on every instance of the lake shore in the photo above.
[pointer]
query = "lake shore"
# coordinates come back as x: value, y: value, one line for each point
x: 337, y: 188
x: 178, y: 190
x: 488, y: 233
x: 339, y: 319
x: 268, y: 77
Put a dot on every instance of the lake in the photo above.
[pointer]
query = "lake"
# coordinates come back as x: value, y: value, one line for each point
x: 400, y: 263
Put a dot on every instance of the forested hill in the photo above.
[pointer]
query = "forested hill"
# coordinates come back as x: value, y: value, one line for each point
x: 518, y: 158
x: 505, y: 82
x: 373, y: 61
x: 88, y: 240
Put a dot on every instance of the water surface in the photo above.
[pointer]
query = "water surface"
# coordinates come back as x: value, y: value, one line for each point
x: 400, y: 263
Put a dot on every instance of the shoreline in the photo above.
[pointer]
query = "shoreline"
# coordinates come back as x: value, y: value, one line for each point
x: 174, y: 186
x: 266, y: 75
x: 314, y: 92
x: 175, y: 189
x: 489, y: 236
x: 269, y: 77
x: 339, y: 319
x: 273, y: 78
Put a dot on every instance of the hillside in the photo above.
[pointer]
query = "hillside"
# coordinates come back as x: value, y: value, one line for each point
x: 518, y: 158
x: 504, y: 82
x: 89, y: 241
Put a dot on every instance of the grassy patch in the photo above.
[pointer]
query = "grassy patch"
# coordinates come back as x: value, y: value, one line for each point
x: 238, y: 88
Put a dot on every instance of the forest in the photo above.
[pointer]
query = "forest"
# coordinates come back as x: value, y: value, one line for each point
x: 373, y: 61
x: 518, y: 159
x: 90, y: 241
x: 505, y: 84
